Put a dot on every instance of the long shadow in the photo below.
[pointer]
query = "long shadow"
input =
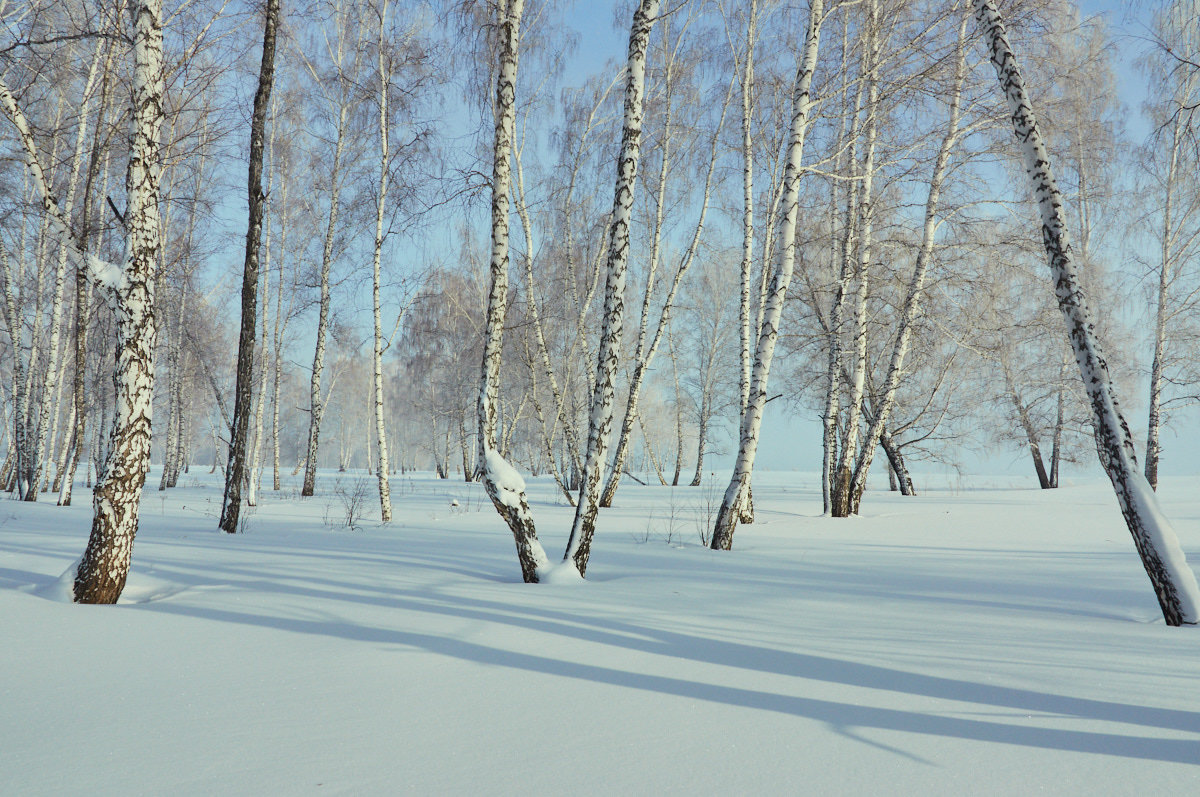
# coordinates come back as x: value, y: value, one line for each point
x: 844, y: 718
x: 606, y: 630
x: 703, y: 649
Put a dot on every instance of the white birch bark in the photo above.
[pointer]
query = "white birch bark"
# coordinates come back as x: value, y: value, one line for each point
x: 1173, y: 581
x: 842, y: 493
x: 503, y: 484
x: 385, y: 80
x: 316, y: 397
x: 734, y: 498
x: 603, y: 397
x: 746, y: 361
x: 102, y: 571
x: 845, y: 252
x: 643, y: 356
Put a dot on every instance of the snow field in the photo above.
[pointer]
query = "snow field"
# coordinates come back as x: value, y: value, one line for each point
x: 981, y: 639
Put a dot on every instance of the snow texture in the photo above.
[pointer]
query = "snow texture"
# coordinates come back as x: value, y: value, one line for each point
x: 1166, y: 542
x: 108, y: 276
x: 506, y: 478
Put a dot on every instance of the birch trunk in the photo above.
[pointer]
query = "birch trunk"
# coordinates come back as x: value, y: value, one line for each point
x: 644, y: 355
x: 659, y: 197
x: 1154, y: 421
x: 385, y: 80
x: 912, y: 299
x: 842, y: 504
x: 102, y: 571
x: 316, y: 397
x: 833, y: 369
x: 897, y: 465
x: 503, y: 484
x: 235, y: 473
x: 747, y: 509
x: 735, y: 494
x: 579, y: 545
x: 1173, y: 581
x: 1031, y: 436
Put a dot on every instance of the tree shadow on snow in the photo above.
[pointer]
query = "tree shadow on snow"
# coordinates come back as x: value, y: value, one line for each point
x: 846, y: 718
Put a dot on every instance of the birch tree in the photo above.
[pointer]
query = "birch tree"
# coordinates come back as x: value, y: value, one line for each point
x: 736, y: 493
x: 1174, y: 187
x: 235, y: 473
x: 503, y: 483
x: 1173, y: 581
x: 911, y: 305
x: 600, y: 419
x: 129, y: 288
x: 340, y: 92
x: 646, y: 347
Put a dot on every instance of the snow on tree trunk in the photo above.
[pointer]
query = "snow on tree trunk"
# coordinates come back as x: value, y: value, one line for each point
x: 244, y: 391
x: 1173, y: 581
x: 579, y: 545
x: 503, y: 484
x: 734, y: 498
x: 104, y: 567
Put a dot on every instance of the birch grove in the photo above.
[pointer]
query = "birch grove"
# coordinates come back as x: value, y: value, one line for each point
x: 715, y: 233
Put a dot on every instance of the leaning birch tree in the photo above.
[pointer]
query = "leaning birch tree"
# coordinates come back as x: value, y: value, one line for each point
x: 1173, y: 581
x: 600, y: 419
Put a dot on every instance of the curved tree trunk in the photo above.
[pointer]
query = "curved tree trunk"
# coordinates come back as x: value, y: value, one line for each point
x: 503, y: 484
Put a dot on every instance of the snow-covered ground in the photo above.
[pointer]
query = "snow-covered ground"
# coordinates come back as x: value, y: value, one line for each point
x: 979, y: 639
